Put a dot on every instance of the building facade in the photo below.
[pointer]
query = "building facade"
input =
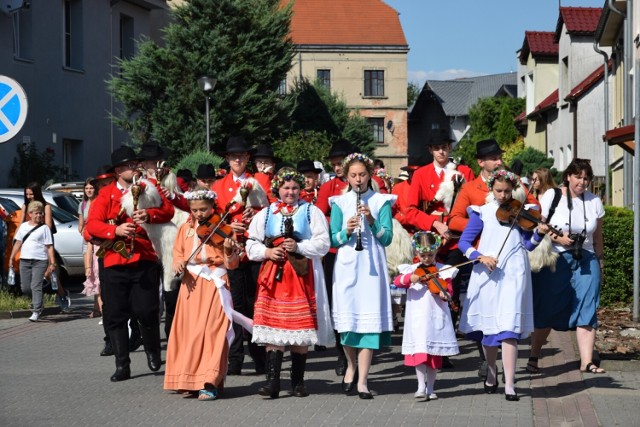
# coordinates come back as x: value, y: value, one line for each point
x: 62, y: 52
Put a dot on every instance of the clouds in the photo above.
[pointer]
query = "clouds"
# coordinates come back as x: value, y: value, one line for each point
x: 421, y: 76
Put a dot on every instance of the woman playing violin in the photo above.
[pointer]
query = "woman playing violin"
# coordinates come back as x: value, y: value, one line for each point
x: 290, y: 237
x: 198, y: 349
x: 498, y: 308
x: 428, y: 329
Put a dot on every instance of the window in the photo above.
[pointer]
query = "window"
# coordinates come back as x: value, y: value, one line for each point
x: 127, y: 45
x: 73, y: 55
x: 377, y: 126
x: 282, y: 89
x: 373, y: 83
x: 435, y: 126
x: 324, y: 78
x: 22, y: 34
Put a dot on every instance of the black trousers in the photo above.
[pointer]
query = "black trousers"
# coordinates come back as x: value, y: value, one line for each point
x: 170, y: 301
x: 242, y: 282
x: 103, y: 282
x: 131, y: 289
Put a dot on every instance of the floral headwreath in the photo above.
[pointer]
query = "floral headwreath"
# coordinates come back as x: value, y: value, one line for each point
x: 506, y: 175
x: 430, y: 248
x: 200, y: 195
x: 286, y: 174
x: 359, y: 157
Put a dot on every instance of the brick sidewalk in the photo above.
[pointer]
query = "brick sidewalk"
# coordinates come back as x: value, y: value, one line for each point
x: 52, y: 375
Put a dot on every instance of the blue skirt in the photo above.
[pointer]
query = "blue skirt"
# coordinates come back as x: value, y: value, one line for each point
x: 494, y: 340
x: 568, y: 297
x: 371, y: 341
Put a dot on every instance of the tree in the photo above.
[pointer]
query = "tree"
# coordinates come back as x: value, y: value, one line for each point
x: 489, y: 118
x: 533, y: 159
x: 244, y: 44
x: 30, y: 165
x: 413, y: 91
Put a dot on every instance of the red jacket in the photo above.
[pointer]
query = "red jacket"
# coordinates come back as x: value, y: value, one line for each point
x: 425, y: 183
x: 106, y: 207
x: 333, y: 187
x: 265, y: 182
x: 402, y: 190
x: 309, y: 196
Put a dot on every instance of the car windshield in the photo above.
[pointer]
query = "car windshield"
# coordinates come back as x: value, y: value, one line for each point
x: 9, y: 205
x: 61, y: 215
x: 67, y: 202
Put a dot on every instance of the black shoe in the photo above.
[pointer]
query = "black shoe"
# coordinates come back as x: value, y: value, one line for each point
x: 234, y: 371
x: 348, y: 387
x: 300, y: 391
x: 153, y: 360
x: 365, y: 395
x: 107, y: 350
x: 121, y: 374
x: 490, y: 389
x: 511, y: 397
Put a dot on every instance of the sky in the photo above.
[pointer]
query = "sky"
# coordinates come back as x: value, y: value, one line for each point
x: 451, y: 39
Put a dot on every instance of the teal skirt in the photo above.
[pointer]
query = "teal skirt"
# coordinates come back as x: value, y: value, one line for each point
x: 371, y: 341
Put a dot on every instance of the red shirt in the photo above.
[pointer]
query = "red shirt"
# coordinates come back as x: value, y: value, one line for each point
x: 425, y: 183
x: 106, y: 207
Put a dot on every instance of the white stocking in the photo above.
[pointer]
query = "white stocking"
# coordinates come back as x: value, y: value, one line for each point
x: 431, y: 379
x: 421, y: 371
x: 509, y: 359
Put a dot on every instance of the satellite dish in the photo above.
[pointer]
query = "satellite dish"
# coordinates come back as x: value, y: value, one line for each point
x: 12, y: 6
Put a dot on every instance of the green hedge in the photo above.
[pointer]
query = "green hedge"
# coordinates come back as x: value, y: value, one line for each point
x: 618, y: 256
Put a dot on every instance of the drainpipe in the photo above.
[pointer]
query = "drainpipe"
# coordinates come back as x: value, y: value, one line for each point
x: 607, y: 162
x: 628, y: 110
x: 636, y: 205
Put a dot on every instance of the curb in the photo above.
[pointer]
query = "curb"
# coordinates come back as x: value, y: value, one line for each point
x: 20, y: 314
x: 620, y: 365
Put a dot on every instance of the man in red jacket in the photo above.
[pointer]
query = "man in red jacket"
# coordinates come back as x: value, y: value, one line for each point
x: 242, y: 280
x: 132, y: 279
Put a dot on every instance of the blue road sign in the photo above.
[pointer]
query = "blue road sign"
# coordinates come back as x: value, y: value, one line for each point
x: 13, y: 108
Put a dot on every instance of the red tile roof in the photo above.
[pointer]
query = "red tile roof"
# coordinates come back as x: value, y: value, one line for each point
x: 587, y: 83
x: 521, y: 118
x: 540, y: 44
x: 549, y: 102
x: 345, y: 22
x: 579, y: 20
x: 622, y: 136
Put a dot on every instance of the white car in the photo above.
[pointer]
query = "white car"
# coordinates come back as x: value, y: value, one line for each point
x: 67, y: 241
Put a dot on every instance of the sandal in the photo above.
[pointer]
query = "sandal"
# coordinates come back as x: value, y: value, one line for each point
x: 532, y: 366
x: 205, y: 394
x: 592, y: 368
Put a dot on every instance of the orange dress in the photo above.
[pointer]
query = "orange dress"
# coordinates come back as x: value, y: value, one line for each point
x: 197, y: 353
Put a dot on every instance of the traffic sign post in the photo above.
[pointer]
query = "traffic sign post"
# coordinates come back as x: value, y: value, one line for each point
x: 13, y: 108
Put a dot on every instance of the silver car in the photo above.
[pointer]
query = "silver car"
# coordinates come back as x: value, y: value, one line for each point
x: 67, y: 241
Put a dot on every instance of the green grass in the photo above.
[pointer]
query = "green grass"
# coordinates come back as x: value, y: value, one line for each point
x: 11, y: 302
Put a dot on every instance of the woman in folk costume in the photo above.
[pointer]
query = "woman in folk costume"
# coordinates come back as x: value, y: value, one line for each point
x: 428, y: 330
x: 361, y: 229
x: 290, y: 237
x: 198, y: 349
x: 498, y: 309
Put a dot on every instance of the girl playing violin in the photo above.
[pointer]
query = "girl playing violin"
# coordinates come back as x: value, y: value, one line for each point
x: 198, y: 349
x: 428, y: 329
x: 498, y: 308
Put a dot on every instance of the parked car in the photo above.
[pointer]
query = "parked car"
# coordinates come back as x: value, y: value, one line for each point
x: 65, y: 201
x: 76, y: 189
x: 67, y: 240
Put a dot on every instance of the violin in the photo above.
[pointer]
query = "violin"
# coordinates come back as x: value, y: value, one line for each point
x: 527, y: 219
x: 429, y: 276
x: 222, y: 230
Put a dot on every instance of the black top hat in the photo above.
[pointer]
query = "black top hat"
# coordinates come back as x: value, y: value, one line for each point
x: 237, y: 144
x: 487, y: 147
x: 341, y: 148
x: 185, y: 174
x: 439, y: 137
x: 307, y: 166
x: 152, y: 151
x: 123, y: 155
x: 206, y: 171
x: 263, y: 150
x: 104, y: 171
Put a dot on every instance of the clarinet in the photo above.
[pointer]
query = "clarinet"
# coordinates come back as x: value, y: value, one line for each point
x: 359, y: 229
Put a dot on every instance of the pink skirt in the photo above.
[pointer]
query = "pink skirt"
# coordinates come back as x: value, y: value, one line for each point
x: 431, y: 361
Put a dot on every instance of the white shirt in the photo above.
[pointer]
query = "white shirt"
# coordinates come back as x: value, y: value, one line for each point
x: 35, y: 246
x: 592, y: 207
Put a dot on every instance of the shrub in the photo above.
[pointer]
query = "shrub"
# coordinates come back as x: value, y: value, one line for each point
x: 618, y: 256
x: 192, y: 160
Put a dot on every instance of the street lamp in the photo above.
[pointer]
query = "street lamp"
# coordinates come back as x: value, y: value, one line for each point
x: 207, y: 84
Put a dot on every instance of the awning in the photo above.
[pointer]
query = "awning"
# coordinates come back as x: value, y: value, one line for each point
x: 622, y: 136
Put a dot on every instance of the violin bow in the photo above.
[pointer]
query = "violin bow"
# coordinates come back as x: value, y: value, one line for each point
x: 513, y: 223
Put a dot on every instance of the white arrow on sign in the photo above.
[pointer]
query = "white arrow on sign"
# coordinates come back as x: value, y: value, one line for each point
x: 13, y: 108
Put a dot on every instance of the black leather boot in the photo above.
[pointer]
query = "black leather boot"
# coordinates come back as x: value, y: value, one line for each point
x: 341, y: 363
x: 120, y: 343
x: 272, y: 387
x: 107, y: 350
x: 298, y: 364
x: 151, y: 341
x: 135, y: 341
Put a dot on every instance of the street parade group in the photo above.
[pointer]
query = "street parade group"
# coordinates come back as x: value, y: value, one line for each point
x: 282, y: 257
